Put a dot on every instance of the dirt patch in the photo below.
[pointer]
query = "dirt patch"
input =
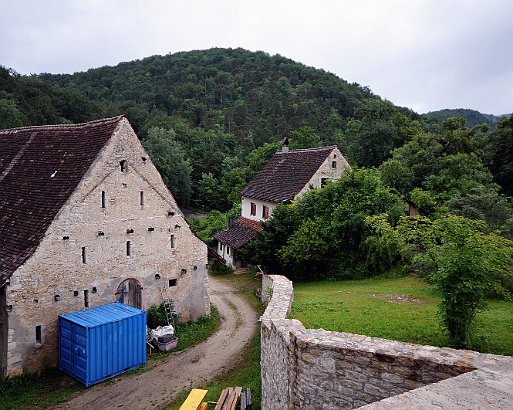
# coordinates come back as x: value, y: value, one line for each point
x: 393, y: 298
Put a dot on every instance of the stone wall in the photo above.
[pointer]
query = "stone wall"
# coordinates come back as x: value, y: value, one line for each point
x: 163, y: 253
x: 326, y: 171
x: 318, y: 369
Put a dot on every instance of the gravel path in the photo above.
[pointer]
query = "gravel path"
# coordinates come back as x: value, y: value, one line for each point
x: 183, y: 370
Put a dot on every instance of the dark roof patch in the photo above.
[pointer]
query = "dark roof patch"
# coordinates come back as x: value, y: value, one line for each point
x: 40, y: 167
x: 286, y: 174
x: 239, y: 233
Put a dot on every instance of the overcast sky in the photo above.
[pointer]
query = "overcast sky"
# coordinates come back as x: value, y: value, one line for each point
x: 422, y: 54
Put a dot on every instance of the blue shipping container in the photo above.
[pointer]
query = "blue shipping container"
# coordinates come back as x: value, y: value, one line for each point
x: 102, y: 342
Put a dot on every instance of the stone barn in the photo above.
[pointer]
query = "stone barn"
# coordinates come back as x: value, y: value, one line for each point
x: 85, y: 219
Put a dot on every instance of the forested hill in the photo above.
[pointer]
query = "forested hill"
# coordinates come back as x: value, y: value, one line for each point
x: 472, y: 117
x: 235, y: 90
x: 210, y: 119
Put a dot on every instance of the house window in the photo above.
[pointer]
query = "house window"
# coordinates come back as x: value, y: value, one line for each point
x: 227, y: 250
x: 253, y: 208
x: 172, y: 283
x: 220, y: 246
x: 265, y: 211
x: 38, y: 334
x: 172, y: 240
x: 324, y: 181
x: 141, y: 198
x: 333, y: 164
x: 128, y: 248
x: 103, y: 199
x: 84, y: 254
x: 123, y: 165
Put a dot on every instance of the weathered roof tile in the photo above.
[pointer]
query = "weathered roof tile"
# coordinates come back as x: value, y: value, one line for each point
x: 286, y: 174
x: 40, y: 167
x: 240, y: 232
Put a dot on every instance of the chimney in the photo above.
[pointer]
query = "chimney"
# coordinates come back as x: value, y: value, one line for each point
x: 285, y: 145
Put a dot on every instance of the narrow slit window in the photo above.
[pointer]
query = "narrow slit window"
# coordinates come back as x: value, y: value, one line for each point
x: 141, y: 198
x: 84, y: 259
x: 172, y: 241
x: 103, y: 199
x: 123, y: 165
x: 333, y: 164
x: 128, y: 248
x: 86, y: 298
x: 38, y: 334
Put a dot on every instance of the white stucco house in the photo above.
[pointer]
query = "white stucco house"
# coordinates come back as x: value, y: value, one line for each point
x: 287, y: 176
x: 85, y: 219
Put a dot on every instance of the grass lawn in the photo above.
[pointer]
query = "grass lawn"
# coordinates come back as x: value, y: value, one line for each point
x: 402, y: 309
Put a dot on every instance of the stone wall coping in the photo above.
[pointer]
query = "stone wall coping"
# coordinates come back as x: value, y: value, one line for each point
x: 486, y: 378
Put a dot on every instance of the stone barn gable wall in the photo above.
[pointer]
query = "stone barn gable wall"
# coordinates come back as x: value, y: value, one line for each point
x: 317, y: 369
x: 56, y: 267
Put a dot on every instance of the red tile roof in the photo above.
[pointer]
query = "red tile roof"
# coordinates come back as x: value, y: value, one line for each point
x: 40, y: 167
x: 241, y: 232
x: 286, y: 174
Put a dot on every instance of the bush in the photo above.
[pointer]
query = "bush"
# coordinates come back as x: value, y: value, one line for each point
x: 156, y: 316
x: 220, y: 269
x: 469, y: 266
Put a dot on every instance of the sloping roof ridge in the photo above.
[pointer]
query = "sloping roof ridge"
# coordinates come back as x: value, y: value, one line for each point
x: 77, y: 125
x: 326, y: 148
x: 250, y: 222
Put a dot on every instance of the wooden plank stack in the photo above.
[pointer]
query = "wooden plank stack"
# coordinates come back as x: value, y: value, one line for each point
x: 234, y: 398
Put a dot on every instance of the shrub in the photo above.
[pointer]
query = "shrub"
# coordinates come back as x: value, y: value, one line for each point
x: 469, y: 265
x: 156, y: 316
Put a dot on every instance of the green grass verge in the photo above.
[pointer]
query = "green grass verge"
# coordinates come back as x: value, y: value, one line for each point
x: 247, y: 373
x: 402, y: 309
x: 37, y: 390
x: 53, y: 387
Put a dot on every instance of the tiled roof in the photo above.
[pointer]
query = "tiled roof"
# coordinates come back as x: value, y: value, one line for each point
x: 286, y: 174
x: 236, y: 235
x: 40, y: 167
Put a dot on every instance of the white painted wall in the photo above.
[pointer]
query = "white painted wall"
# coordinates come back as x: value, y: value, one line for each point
x: 226, y: 252
x: 246, y: 208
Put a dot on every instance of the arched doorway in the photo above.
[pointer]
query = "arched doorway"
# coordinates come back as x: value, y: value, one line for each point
x: 130, y: 293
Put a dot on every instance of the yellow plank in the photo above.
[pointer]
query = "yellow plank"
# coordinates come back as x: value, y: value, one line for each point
x: 194, y: 399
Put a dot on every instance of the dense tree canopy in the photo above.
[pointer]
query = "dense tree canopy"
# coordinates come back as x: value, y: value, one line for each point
x: 324, y: 233
x: 500, y: 147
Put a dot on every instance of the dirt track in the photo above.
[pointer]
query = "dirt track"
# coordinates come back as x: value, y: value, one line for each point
x: 160, y: 385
